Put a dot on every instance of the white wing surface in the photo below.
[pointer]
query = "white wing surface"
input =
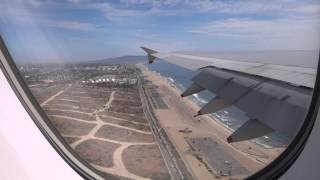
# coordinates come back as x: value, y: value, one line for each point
x: 274, y: 96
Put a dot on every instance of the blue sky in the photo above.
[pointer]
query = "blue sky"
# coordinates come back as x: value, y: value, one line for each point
x: 80, y: 30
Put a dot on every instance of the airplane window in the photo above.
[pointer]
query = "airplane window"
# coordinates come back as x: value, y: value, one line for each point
x: 168, y: 89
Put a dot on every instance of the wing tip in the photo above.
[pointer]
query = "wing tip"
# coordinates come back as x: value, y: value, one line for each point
x: 149, y: 52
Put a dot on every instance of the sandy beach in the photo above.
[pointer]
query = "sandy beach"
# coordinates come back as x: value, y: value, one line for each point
x: 179, y: 116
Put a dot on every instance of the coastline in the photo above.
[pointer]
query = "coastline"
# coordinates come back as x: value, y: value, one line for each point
x: 253, y: 156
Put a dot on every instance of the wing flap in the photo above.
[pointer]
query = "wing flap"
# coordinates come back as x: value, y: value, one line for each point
x: 194, y: 88
x: 250, y: 129
x: 216, y: 104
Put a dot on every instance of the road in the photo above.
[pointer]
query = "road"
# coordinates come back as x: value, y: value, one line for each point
x: 165, y: 147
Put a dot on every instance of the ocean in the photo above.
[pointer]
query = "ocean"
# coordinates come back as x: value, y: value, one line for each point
x: 231, y: 117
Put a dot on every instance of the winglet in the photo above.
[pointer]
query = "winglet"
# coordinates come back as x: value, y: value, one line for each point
x: 151, y: 58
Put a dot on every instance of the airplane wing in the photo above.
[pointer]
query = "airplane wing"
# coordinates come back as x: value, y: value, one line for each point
x: 274, y: 96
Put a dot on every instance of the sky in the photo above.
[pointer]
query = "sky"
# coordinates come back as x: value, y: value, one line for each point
x: 83, y: 30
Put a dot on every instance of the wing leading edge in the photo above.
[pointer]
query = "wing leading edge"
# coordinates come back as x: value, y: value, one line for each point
x: 274, y: 97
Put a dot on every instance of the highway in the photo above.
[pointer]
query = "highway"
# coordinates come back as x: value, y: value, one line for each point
x: 167, y: 152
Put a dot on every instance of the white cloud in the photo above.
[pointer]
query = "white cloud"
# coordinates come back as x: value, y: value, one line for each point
x: 237, y: 7
x: 74, y: 1
x: 151, y: 3
x: 76, y: 25
x: 127, y: 10
x: 307, y: 9
x: 290, y: 24
x: 128, y: 15
x: 262, y: 7
x: 156, y: 41
x: 20, y: 13
x: 285, y: 33
x: 187, y: 7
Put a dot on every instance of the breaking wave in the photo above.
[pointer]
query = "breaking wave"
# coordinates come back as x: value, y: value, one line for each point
x: 199, y: 99
x: 171, y: 79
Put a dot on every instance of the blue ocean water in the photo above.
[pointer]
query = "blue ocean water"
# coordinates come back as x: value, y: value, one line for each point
x: 231, y: 117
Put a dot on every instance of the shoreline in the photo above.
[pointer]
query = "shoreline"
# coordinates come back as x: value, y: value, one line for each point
x: 180, y: 115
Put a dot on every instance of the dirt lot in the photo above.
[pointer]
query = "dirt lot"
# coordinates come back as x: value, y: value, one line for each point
x: 140, y: 126
x: 215, y: 157
x: 140, y: 162
x: 126, y: 102
x: 48, y: 107
x: 103, y: 126
x: 129, y: 117
x: 120, y: 134
x: 71, y: 127
x: 72, y: 114
x: 126, y: 109
x: 97, y: 152
x: 71, y: 140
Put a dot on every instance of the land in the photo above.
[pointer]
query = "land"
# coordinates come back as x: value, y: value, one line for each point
x: 98, y: 111
x: 127, y: 122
